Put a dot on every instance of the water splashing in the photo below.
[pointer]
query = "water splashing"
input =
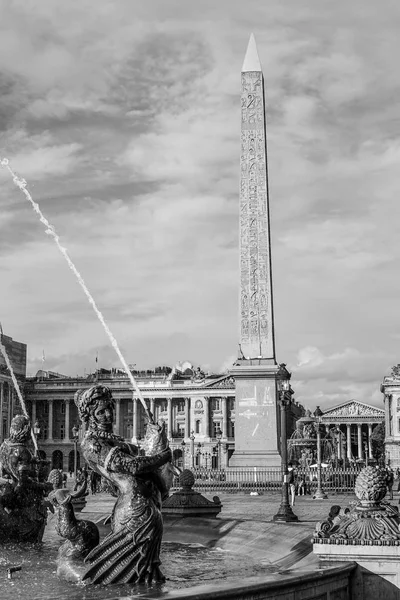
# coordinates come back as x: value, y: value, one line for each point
x: 17, y: 389
x: 22, y: 184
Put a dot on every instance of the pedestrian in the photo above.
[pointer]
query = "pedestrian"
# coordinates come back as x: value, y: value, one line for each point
x: 301, y: 487
x: 70, y: 473
x: 291, y: 483
x: 389, y: 482
x: 64, y: 480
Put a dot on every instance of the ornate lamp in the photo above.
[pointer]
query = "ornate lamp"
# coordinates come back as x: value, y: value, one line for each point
x: 183, y: 444
x: 218, y: 435
x: 285, y: 513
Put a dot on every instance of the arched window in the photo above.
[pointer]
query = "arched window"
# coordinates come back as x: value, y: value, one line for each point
x: 71, y: 461
x: 197, y: 426
x: 57, y: 460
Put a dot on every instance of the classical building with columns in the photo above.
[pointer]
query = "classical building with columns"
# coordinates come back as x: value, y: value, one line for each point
x: 390, y: 389
x: 198, y: 409
x: 354, y: 422
x: 9, y: 405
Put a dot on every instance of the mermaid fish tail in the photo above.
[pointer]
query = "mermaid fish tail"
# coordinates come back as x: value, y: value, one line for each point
x: 127, y: 556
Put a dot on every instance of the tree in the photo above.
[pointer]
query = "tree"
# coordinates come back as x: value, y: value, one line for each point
x: 378, y: 442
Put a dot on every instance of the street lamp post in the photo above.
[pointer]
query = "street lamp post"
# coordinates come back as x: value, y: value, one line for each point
x: 218, y: 435
x: 75, y: 434
x: 366, y: 454
x: 192, y: 437
x: 183, y: 453
x: 319, y: 492
x: 285, y: 513
x: 199, y: 454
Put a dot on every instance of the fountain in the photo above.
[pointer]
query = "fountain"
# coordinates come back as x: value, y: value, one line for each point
x: 367, y: 533
x: 302, y: 445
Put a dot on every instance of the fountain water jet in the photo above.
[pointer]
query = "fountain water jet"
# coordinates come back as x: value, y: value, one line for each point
x: 22, y: 185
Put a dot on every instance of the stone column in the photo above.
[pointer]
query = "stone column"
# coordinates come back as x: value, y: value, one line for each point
x: 387, y: 415
x: 348, y: 440
x: 135, y: 420
x: 169, y: 418
x: 207, y: 416
x: 33, y: 416
x: 390, y: 414
x: 117, y: 426
x: 50, y: 431
x: 224, y: 418
x: 359, y: 441
x: 1, y: 409
x: 67, y: 423
x: 369, y: 440
x: 187, y: 418
x: 339, y: 443
x: 152, y: 406
x: 10, y: 406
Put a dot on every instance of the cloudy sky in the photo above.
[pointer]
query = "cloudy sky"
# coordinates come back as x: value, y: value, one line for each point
x: 124, y: 118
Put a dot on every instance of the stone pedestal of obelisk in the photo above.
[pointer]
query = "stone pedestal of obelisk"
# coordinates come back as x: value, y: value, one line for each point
x: 256, y: 372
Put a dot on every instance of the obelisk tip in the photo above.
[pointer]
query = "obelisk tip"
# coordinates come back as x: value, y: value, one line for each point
x: 251, y: 60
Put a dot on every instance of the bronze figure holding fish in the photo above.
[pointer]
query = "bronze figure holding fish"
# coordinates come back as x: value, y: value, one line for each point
x: 131, y: 552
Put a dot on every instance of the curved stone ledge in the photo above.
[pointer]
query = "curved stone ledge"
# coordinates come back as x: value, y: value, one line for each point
x: 326, y: 583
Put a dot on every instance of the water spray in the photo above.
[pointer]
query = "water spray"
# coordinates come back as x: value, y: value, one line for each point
x: 22, y: 185
x: 17, y: 389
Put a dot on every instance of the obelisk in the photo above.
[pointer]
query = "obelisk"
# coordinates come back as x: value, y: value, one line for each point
x: 256, y: 372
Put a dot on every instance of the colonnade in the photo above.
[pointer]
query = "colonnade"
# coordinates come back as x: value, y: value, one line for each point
x: 363, y: 450
x: 161, y: 408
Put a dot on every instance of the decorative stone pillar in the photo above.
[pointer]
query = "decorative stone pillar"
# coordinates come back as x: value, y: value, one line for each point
x: 117, y: 427
x: 369, y: 440
x: 50, y: 430
x: 187, y: 418
x: 169, y: 418
x: 224, y: 418
x: 348, y: 440
x: 359, y: 441
x: 152, y: 406
x: 67, y: 423
x: 207, y: 416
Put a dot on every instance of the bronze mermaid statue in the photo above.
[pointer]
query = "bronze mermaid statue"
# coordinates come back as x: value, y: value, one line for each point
x: 23, y: 487
x: 131, y: 552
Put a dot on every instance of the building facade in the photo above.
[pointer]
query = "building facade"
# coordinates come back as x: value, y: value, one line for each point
x: 390, y: 389
x: 9, y: 404
x: 199, y: 412
x: 354, y: 423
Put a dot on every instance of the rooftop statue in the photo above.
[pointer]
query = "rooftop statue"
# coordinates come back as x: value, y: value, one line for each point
x: 131, y: 552
x: 23, y: 511
x: 198, y: 375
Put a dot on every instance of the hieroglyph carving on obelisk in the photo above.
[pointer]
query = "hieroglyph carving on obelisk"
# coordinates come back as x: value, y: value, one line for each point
x: 256, y: 307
